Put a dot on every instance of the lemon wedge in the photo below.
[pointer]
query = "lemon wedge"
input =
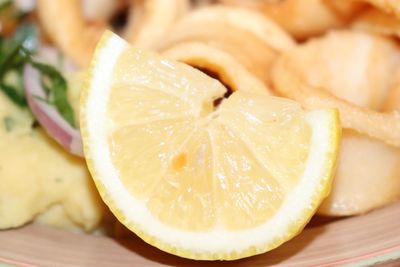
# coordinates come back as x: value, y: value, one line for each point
x: 195, y: 174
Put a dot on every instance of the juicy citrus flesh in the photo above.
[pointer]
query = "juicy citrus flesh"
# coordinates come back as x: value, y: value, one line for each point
x: 194, y: 179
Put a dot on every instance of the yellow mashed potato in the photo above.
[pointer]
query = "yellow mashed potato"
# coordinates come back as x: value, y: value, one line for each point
x: 38, y: 180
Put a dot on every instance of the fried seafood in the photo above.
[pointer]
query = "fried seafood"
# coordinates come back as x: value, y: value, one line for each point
x: 320, y: 74
x: 304, y: 18
x: 390, y: 6
x: 100, y: 11
x: 377, y: 21
x: 218, y: 63
x: 254, y: 40
x: 66, y: 25
x: 367, y: 176
x: 360, y: 89
x: 393, y: 100
x: 368, y: 173
x: 151, y: 20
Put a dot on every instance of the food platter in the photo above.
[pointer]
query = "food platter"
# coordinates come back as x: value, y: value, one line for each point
x: 238, y: 117
x: 373, y: 238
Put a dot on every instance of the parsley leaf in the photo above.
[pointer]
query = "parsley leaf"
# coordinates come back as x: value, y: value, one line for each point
x: 56, y: 91
x: 15, y: 52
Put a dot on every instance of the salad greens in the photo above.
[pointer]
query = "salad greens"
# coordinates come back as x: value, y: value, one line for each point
x: 13, y: 56
x: 15, y: 53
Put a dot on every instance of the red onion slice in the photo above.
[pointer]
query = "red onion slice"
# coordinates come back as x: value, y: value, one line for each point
x: 47, y: 115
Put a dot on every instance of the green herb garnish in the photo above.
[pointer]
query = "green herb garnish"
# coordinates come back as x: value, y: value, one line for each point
x: 55, y: 87
x: 14, y: 53
x: 17, y: 51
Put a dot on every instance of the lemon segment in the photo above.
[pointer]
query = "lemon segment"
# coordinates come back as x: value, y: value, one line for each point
x: 194, y: 179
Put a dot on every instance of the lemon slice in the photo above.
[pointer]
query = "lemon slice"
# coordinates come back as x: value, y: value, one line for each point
x: 193, y: 175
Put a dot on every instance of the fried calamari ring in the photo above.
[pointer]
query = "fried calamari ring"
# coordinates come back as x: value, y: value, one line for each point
x: 390, y: 6
x: 100, y: 11
x: 377, y: 21
x: 367, y: 176
x: 383, y: 126
x: 252, y: 39
x: 150, y: 20
x: 393, y: 99
x: 67, y: 27
x: 353, y: 72
x: 304, y: 18
x: 218, y: 63
x: 374, y: 60
x: 368, y: 171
